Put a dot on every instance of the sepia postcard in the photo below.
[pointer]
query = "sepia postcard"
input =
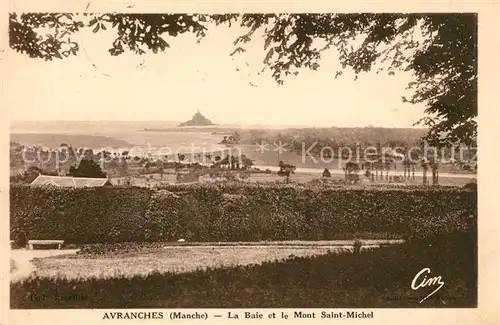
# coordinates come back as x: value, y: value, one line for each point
x: 274, y: 162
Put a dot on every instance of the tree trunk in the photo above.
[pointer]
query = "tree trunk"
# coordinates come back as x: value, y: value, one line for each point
x: 435, y: 177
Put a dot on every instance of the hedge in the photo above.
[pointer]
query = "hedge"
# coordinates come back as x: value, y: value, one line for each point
x: 80, y: 216
x: 239, y: 212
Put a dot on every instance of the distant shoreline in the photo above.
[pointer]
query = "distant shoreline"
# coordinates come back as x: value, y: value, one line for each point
x: 29, y: 124
x: 211, y: 128
x: 216, y: 128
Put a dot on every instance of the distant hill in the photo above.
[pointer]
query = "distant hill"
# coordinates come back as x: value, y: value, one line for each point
x: 75, y: 140
x: 197, y: 120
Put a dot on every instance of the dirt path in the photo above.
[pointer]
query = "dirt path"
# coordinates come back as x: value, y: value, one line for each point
x: 288, y: 243
x: 23, y: 258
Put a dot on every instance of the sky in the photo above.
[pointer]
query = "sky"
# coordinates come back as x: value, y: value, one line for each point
x: 173, y: 85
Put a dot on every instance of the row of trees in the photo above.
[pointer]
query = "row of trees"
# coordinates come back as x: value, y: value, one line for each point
x: 232, y: 139
x: 374, y: 169
x: 286, y: 170
x: 66, y: 158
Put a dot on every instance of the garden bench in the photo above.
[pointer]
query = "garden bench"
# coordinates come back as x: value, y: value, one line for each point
x: 59, y: 243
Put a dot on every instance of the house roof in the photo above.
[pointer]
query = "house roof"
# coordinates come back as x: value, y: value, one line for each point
x: 66, y: 181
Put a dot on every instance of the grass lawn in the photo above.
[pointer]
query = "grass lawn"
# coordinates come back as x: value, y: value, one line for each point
x: 307, y: 177
x: 175, y: 259
x: 379, y: 278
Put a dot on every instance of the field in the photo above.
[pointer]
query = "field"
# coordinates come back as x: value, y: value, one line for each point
x: 305, y: 177
x: 156, y: 179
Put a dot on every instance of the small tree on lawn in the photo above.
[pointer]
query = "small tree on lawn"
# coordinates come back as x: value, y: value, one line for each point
x: 217, y: 160
x: 246, y: 162
x: 286, y: 170
x: 147, y: 166
x: 225, y: 163
x: 351, y: 172
x: 208, y: 157
x: 159, y: 166
x: 233, y: 162
x: 425, y: 167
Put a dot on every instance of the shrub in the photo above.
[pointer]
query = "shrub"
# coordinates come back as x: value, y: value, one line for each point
x: 167, y: 217
x: 357, y: 246
x: 471, y: 186
x: 19, y: 238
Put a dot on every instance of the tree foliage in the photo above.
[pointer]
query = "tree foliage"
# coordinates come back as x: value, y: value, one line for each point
x: 87, y: 168
x: 30, y: 174
x: 439, y: 49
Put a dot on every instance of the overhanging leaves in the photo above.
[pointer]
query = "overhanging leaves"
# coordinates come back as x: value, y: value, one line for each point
x: 439, y: 49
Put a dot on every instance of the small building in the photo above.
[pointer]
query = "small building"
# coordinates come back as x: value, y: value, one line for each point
x: 68, y: 181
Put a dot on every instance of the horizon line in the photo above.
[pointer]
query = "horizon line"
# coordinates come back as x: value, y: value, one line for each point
x: 220, y: 124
